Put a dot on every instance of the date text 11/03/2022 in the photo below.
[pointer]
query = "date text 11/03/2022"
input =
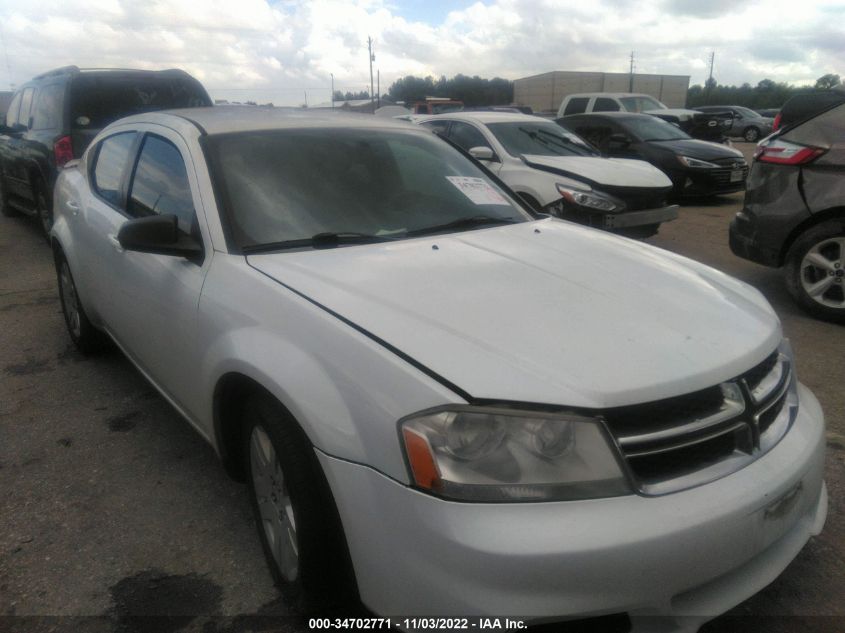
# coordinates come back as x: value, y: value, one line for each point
x: 417, y: 624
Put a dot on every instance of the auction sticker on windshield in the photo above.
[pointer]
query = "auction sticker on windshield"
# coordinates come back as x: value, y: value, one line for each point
x: 477, y: 190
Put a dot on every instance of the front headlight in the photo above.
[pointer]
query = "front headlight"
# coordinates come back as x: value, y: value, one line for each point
x: 688, y: 161
x: 488, y: 454
x: 591, y: 199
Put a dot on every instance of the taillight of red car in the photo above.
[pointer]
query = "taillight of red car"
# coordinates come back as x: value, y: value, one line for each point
x: 63, y: 151
x: 782, y: 152
x: 776, y: 123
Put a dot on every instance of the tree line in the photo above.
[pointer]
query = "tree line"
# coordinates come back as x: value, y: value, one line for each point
x: 478, y: 91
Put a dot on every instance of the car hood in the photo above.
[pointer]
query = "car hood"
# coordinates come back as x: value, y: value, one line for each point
x: 694, y: 148
x: 618, y: 172
x: 681, y: 113
x: 544, y: 312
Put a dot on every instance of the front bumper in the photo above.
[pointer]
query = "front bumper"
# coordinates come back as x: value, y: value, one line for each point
x: 640, y: 218
x: 690, y: 555
x: 709, y: 182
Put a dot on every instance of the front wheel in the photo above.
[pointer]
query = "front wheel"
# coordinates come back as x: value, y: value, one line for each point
x: 296, y: 516
x: 751, y: 134
x: 815, y: 271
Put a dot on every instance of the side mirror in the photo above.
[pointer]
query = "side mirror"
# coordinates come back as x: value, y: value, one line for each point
x: 618, y: 141
x: 160, y: 235
x: 482, y: 153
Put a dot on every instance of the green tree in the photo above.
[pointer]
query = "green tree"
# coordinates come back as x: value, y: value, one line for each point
x: 828, y: 81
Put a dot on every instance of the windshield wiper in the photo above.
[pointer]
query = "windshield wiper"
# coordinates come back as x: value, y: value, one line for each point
x: 320, y: 240
x: 462, y: 223
x: 548, y: 139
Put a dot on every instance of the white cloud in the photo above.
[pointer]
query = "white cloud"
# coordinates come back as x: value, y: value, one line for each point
x: 277, y: 51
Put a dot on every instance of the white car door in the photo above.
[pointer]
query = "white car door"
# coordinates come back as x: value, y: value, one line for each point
x: 468, y: 136
x: 154, y: 298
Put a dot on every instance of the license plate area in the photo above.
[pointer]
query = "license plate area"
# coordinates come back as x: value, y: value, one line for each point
x: 736, y: 175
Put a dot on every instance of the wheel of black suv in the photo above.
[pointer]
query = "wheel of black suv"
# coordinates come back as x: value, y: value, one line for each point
x: 5, y: 209
x: 44, y: 211
x: 751, y: 134
x: 85, y: 336
x: 296, y: 516
x: 815, y: 270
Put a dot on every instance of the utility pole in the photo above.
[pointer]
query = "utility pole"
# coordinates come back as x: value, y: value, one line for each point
x: 372, y: 59
x: 710, y: 78
x: 378, y: 88
x: 631, y: 74
x: 332, y: 74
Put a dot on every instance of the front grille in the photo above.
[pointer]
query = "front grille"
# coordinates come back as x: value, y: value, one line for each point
x: 638, y: 198
x: 688, y: 440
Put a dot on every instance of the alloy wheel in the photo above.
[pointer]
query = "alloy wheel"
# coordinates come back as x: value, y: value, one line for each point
x: 751, y: 134
x: 70, y: 302
x: 274, y: 503
x: 822, y: 274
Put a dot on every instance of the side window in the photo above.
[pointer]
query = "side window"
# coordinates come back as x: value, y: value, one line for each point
x: 603, y: 104
x: 466, y: 136
x: 596, y: 134
x: 160, y: 184
x: 12, y: 113
x: 48, y: 108
x: 112, y: 159
x: 576, y: 106
x: 26, y: 107
x: 438, y: 127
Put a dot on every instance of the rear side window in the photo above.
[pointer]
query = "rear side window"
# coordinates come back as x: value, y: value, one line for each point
x: 26, y: 106
x: 603, y: 104
x: 576, y: 105
x: 97, y: 100
x: 112, y: 158
x: 48, y: 108
x: 12, y: 113
x: 160, y: 184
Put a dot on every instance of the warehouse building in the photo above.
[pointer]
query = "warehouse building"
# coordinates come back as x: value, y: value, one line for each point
x: 545, y: 92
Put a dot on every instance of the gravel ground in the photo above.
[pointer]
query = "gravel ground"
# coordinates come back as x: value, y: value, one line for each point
x: 112, y: 507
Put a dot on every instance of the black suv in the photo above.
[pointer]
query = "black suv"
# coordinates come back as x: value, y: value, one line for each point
x: 52, y: 118
x: 794, y: 211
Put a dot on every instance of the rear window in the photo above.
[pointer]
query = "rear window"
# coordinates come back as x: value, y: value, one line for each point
x: 641, y: 104
x: 576, y: 106
x: 97, y: 100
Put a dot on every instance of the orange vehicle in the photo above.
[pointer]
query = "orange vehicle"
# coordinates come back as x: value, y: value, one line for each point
x: 437, y: 105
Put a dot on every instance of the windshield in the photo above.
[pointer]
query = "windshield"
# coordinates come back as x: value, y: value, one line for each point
x: 294, y: 185
x: 650, y: 128
x: 539, y: 138
x: 641, y: 104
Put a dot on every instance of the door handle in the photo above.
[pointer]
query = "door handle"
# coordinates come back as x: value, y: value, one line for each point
x: 115, y: 243
x: 73, y: 206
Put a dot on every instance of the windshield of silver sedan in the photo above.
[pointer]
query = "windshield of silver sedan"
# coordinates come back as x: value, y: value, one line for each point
x: 323, y: 188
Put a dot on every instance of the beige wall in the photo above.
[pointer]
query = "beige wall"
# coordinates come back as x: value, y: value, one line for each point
x: 545, y: 92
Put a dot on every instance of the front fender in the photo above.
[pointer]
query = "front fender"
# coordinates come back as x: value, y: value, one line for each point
x: 346, y: 390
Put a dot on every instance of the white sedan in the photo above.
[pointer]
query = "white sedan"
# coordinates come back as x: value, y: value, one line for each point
x: 442, y: 403
x: 557, y: 172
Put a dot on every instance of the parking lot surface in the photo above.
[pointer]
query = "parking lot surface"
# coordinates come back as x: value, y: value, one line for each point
x: 111, y: 506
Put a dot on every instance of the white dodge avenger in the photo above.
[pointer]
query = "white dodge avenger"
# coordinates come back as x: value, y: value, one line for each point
x: 442, y: 403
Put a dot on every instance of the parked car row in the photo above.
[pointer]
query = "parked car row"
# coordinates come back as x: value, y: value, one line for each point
x: 557, y: 172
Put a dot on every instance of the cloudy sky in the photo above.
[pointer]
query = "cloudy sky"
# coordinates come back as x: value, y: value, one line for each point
x: 283, y: 50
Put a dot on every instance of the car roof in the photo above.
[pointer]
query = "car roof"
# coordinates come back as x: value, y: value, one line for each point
x: 485, y: 117
x: 611, y: 94
x: 225, y: 119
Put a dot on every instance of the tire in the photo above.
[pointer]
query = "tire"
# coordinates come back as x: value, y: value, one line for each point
x: 751, y: 134
x: 531, y: 202
x: 815, y: 270
x: 291, y: 499
x: 84, y: 335
x: 43, y: 211
x: 5, y: 209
